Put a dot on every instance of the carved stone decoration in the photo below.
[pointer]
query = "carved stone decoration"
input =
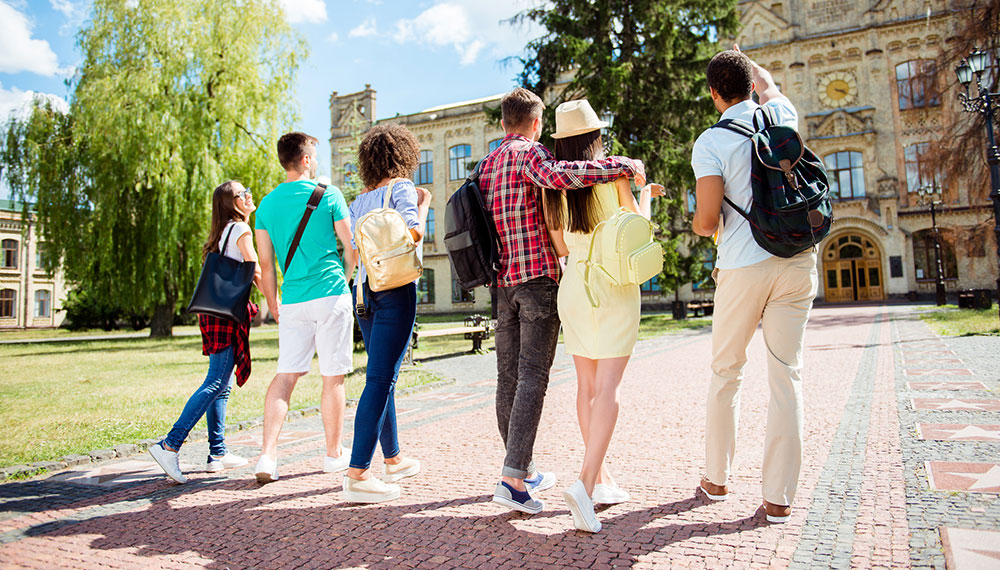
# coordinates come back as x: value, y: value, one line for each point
x: 888, y: 187
x: 841, y: 123
x: 858, y: 221
x: 762, y: 26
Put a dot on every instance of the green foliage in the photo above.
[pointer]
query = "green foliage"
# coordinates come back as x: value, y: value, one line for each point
x: 173, y: 97
x: 642, y: 61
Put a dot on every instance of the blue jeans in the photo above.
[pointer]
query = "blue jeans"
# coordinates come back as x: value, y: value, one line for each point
x: 210, y: 401
x: 386, y: 328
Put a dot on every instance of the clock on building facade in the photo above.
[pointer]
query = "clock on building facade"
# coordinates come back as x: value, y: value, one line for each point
x: 838, y: 89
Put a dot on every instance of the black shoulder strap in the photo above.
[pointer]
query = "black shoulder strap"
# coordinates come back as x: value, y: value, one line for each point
x: 229, y: 234
x: 313, y: 202
x: 737, y: 126
x: 737, y: 208
x: 768, y: 117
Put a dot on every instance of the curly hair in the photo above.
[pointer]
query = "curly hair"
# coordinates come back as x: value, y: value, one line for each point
x: 730, y: 74
x: 387, y: 151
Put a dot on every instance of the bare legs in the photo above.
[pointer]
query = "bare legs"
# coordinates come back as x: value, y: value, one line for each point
x: 598, y: 382
x: 276, y: 401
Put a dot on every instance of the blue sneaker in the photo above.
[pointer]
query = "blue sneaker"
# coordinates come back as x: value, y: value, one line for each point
x: 540, y: 482
x: 517, y: 500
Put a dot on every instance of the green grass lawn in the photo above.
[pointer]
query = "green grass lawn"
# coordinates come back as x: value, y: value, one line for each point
x: 73, y: 397
x: 654, y: 325
x: 952, y: 321
x: 35, y: 334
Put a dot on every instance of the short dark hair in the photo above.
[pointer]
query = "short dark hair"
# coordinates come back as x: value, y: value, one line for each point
x: 387, y: 151
x: 292, y: 147
x: 520, y: 107
x: 730, y: 74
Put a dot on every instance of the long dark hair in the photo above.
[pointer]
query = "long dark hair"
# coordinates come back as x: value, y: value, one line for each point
x: 223, y: 212
x: 581, y: 213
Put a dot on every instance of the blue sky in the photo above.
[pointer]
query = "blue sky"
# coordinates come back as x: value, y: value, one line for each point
x: 415, y: 54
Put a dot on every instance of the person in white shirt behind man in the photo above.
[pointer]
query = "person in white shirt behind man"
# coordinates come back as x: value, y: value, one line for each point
x: 753, y: 287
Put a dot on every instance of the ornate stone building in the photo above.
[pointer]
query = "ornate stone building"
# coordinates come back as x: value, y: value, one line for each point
x: 862, y: 77
x: 452, y: 139
x: 29, y: 297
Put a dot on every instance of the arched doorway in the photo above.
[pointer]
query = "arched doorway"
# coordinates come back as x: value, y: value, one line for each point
x: 852, y: 269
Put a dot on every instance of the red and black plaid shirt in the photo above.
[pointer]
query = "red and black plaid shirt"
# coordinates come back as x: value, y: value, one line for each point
x: 511, y: 177
x: 219, y: 334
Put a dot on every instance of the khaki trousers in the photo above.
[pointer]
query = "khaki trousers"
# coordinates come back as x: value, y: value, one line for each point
x: 778, y: 293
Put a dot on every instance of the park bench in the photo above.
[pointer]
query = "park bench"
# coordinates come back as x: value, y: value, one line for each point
x: 476, y: 328
x: 707, y: 307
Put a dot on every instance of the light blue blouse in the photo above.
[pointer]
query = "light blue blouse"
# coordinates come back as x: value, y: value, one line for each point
x: 403, y: 200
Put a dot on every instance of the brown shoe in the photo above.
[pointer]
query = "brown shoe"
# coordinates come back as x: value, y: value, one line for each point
x: 713, y: 491
x: 777, y: 513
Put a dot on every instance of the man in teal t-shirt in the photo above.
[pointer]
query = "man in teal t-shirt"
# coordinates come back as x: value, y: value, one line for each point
x: 315, y: 313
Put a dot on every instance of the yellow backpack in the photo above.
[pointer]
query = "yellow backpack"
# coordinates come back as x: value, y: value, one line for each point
x: 386, y: 249
x: 626, y: 252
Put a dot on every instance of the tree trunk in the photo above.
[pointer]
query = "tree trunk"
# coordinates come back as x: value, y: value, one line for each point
x: 163, y: 320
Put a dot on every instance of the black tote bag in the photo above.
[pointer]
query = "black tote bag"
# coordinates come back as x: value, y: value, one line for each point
x: 223, y: 289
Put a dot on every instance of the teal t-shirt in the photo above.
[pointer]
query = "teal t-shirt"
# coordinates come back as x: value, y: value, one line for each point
x: 316, y: 270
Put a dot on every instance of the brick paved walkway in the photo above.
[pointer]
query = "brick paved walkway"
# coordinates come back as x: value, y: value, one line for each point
x: 900, y: 470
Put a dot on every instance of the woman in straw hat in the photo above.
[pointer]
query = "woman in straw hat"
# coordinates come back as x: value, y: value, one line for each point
x: 600, y: 339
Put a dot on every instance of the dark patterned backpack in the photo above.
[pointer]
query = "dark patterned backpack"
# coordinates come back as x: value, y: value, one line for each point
x: 791, y: 210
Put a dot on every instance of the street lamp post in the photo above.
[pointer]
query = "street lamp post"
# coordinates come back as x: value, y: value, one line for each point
x: 975, y: 65
x: 929, y: 195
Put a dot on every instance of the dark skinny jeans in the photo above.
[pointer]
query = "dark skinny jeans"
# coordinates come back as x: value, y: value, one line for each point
x: 386, y: 328
x: 526, y: 336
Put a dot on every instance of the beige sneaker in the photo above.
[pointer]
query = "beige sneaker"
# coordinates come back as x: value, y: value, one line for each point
x: 371, y: 490
x: 408, y: 467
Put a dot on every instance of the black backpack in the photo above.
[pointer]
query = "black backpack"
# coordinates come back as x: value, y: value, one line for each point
x: 471, y: 238
x: 791, y: 210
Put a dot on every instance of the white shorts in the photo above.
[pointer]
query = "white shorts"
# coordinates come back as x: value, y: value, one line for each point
x: 324, y: 326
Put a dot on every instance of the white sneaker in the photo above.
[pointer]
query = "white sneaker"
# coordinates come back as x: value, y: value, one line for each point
x: 227, y: 461
x: 408, y: 467
x: 371, y: 490
x: 266, y: 470
x: 609, y: 494
x: 334, y: 464
x: 168, y: 461
x: 543, y: 480
x: 582, y: 508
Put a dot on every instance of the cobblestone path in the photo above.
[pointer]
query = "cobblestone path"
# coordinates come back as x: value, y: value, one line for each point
x: 901, y: 469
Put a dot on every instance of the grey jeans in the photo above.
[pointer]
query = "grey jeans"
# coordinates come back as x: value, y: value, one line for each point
x: 526, y: 336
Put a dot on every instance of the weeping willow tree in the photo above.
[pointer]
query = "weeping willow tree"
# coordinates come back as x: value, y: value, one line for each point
x: 643, y: 63
x: 173, y: 97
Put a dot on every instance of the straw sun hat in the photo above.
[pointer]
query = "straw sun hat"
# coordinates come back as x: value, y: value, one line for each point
x: 576, y: 118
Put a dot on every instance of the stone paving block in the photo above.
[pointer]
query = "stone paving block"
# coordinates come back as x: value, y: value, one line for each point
x: 102, y: 454
x: 955, y: 432
x: 962, y: 404
x: 945, y: 385
x: 971, y: 549
x: 75, y: 459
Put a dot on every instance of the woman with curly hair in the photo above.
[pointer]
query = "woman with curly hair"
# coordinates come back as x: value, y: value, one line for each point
x: 386, y: 157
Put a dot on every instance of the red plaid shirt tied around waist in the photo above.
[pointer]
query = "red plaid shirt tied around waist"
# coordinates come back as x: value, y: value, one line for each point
x: 219, y: 334
x: 511, y: 178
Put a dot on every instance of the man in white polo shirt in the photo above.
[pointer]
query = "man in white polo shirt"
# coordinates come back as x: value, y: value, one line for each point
x: 753, y: 287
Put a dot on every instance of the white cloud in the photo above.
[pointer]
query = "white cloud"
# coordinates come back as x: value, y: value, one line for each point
x: 364, y: 29
x: 304, y: 11
x: 471, y: 27
x: 18, y: 50
x: 74, y: 12
x: 15, y: 101
x: 333, y: 37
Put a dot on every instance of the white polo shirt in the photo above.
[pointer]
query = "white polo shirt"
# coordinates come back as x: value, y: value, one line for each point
x: 721, y: 152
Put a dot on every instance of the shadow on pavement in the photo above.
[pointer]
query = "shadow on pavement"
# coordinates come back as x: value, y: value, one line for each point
x: 311, y: 528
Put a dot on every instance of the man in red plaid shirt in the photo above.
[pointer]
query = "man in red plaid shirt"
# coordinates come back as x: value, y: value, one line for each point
x: 527, y: 317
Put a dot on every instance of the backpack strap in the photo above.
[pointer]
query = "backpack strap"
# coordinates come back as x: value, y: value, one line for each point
x: 737, y: 126
x: 767, y: 117
x: 314, y: 199
x: 388, y: 192
x: 738, y: 209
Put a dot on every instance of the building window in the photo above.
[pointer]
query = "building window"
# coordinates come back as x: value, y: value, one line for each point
x: 43, y: 303
x: 847, y: 174
x: 8, y: 254
x: 425, y: 170
x: 429, y: 228
x: 706, y: 284
x: 918, y: 172
x: 923, y: 257
x: 915, y: 83
x: 459, y: 295
x: 458, y: 161
x: 495, y: 144
x: 39, y: 259
x: 651, y: 287
x: 349, y: 170
x: 425, y: 287
x: 7, y: 299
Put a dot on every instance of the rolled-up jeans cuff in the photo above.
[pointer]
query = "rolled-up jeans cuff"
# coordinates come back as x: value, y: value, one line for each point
x: 512, y: 472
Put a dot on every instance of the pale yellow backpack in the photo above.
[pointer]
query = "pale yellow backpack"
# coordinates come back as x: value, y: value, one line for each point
x: 622, y: 249
x: 386, y: 249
